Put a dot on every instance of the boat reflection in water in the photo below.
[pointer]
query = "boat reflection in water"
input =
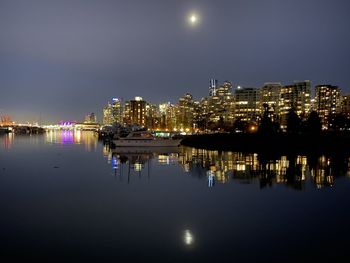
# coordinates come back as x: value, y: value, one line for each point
x: 131, y: 160
x: 294, y: 171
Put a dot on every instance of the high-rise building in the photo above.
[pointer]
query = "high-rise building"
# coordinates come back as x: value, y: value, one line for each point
x: 90, y: 118
x: 153, y: 118
x: 218, y: 106
x: 327, y: 103
x: 213, y: 84
x: 107, y: 115
x: 270, y: 96
x: 247, y: 104
x: 184, y: 116
x: 297, y: 97
x: 113, y: 112
x: 345, y: 105
x: 224, y: 90
x: 167, y: 116
x: 135, y: 112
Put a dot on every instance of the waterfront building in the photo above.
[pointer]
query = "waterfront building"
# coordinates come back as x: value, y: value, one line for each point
x: 184, y: 116
x: 226, y: 106
x: 153, y: 117
x: 295, y: 96
x: 270, y: 97
x: 219, y: 106
x: 135, y: 112
x: 327, y: 103
x: 107, y: 119
x: 90, y: 118
x: 113, y: 112
x: 167, y: 113
x: 247, y: 104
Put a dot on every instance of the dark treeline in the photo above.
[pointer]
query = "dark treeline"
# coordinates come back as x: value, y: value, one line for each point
x: 300, y: 136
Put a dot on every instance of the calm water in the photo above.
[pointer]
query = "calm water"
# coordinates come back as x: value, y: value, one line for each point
x: 66, y: 197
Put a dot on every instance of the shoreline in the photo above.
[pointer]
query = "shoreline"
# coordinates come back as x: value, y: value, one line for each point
x: 281, y: 143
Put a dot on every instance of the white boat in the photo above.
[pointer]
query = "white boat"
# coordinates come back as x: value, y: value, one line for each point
x: 145, y: 139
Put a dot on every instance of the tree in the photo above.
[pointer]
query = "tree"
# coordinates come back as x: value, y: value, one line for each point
x: 240, y: 125
x: 313, y: 123
x: 339, y: 122
x: 293, y: 122
x: 266, y: 125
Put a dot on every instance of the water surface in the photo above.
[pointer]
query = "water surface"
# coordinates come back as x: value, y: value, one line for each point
x: 66, y: 197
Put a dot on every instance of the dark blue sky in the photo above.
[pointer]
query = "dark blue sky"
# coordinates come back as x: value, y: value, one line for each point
x: 64, y: 59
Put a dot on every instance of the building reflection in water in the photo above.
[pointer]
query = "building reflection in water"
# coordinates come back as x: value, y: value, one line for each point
x: 222, y: 167
x: 211, y: 178
x: 291, y: 170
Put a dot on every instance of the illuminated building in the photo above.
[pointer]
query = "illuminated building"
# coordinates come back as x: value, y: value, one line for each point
x: 135, y: 112
x: 345, y: 105
x: 153, y: 117
x: 113, y: 112
x: 167, y: 113
x: 270, y: 96
x: 213, y: 83
x: 184, y: 116
x: 222, y: 105
x: 107, y: 115
x: 126, y: 113
x: 297, y: 97
x: 218, y: 106
x: 90, y: 118
x: 247, y: 104
x: 224, y: 90
x: 327, y: 103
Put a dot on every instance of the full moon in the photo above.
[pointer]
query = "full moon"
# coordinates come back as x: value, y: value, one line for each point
x: 193, y: 19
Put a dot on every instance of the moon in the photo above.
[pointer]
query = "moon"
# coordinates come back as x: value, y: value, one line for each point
x: 193, y: 19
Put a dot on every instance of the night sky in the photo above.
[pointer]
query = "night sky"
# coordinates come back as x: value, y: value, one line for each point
x: 64, y: 59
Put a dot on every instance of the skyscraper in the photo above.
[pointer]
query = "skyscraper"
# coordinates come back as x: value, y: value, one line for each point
x: 345, y: 105
x: 167, y: 116
x: 220, y: 105
x: 90, y: 118
x: 213, y: 84
x: 270, y: 96
x: 247, y: 104
x: 184, y: 118
x: 113, y: 112
x: 153, y: 118
x: 297, y: 97
x: 327, y: 103
x: 135, y: 111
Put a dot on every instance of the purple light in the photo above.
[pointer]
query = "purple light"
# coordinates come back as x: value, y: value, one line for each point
x: 67, y: 123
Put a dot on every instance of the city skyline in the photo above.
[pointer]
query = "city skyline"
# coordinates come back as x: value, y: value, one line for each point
x: 61, y: 64
x: 266, y: 93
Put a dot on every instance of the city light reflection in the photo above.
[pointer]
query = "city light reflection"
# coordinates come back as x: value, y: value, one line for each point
x: 67, y: 137
x: 248, y: 168
x: 7, y: 141
x: 293, y: 170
